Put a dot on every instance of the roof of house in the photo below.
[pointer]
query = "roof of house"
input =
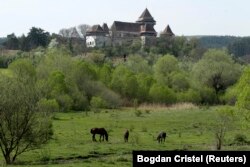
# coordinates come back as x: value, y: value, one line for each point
x: 95, y: 29
x: 167, y: 31
x: 125, y: 26
x: 105, y: 28
x: 145, y: 17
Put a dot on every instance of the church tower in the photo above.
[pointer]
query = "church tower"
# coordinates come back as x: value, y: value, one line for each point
x: 147, y: 31
x: 146, y: 18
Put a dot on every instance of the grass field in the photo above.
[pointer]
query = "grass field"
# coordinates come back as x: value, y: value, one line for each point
x: 189, y: 128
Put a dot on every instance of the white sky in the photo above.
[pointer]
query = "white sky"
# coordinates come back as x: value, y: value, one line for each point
x: 185, y: 17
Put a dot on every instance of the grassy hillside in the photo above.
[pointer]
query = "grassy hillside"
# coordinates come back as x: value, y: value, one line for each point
x: 189, y: 128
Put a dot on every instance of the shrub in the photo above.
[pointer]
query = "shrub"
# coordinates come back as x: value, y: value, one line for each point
x: 240, y: 139
x: 138, y: 113
x: 230, y: 96
x: 189, y: 96
x: 80, y: 101
x: 45, y: 155
x: 111, y: 99
x: 97, y: 102
x: 65, y: 102
x: 49, y: 105
x: 208, y: 95
x: 162, y: 94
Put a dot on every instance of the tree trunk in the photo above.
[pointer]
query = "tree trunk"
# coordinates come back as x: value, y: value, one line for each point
x: 7, y: 158
x: 219, y: 143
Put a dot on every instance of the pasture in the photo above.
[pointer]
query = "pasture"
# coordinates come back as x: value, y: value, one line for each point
x: 188, y: 128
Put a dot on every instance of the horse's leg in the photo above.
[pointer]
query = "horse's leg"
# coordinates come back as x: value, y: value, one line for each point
x: 93, y: 137
x: 100, y: 138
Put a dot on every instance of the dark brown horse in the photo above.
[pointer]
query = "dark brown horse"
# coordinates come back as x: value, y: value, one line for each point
x: 126, y: 135
x: 101, y: 131
x: 161, y: 137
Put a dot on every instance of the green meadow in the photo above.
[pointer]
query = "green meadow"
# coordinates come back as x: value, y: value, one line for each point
x: 188, y: 128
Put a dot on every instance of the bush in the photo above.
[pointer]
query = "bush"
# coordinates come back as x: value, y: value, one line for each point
x: 189, y: 96
x: 162, y: 94
x: 49, y: 105
x: 97, y: 102
x: 240, y: 139
x: 80, y: 102
x: 230, y: 96
x: 45, y: 155
x: 208, y: 95
x: 65, y: 102
x: 112, y: 99
x: 138, y: 113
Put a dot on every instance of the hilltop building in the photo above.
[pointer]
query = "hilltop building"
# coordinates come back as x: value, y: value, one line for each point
x: 122, y: 33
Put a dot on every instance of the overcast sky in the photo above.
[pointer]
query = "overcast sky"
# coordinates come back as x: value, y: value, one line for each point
x: 185, y: 17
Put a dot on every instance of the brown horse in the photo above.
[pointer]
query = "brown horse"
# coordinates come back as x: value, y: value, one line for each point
x: 161, y: 137
x: 126, y: 135
x: 101, y: 131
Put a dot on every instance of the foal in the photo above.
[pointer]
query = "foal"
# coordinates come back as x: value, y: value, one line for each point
x: 126, y: 135
x: 161, y: 137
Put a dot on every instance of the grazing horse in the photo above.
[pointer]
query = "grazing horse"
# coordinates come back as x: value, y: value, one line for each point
x: 101, y: 131
x: 161, y: 137
x: 126, y: 135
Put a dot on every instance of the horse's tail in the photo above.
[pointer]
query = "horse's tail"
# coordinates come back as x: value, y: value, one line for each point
x: 106, y: 135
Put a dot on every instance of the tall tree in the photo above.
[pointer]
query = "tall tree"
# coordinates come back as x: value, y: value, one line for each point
x: 38, y: 37
x: 12, y: 42
x: 164, y: 68
x: 243, y: 96
x: 23, y: 126
x: 217, y: 70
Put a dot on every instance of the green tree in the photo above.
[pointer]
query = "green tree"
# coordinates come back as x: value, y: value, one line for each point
x: 58, y: 89
x: 163, y: 69
x: 216, y: 70
x: 105, y: 74
x: 223, y: 122
x: 124, y: 82
x: 38, y: 37
x: 24, y: 125
x: 161, y: 94
x: 12, y: 42
x: 243, y: 96
x: 97, y: 103
x: 243, y: 90
x: 145, y: 82
x: 240, y: 47
x: 179, y: 81
x: 24, y: 43
x: 138, y: 64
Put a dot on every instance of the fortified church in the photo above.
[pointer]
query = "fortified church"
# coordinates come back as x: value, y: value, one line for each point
x: 126, y: 32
